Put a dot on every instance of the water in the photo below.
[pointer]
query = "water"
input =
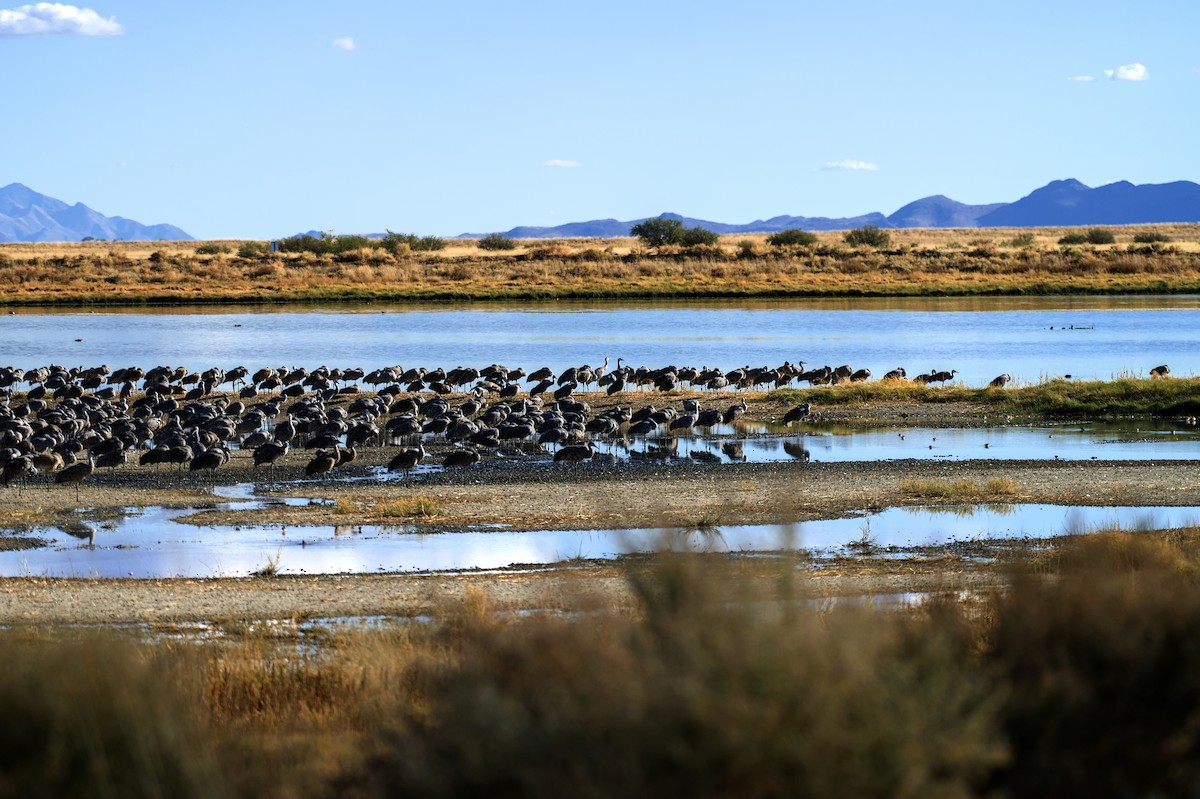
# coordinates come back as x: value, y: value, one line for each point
x: 1088, y: 338
x: 1123, y: 440
x: 148, y: 543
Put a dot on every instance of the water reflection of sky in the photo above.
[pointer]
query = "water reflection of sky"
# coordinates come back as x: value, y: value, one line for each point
x: 1026, y: 338
x: 149, y: 544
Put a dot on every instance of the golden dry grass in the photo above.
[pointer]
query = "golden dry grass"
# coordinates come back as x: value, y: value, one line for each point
x: 918, y: 262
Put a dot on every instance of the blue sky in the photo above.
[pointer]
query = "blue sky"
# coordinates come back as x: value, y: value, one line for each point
x: 262, y: 119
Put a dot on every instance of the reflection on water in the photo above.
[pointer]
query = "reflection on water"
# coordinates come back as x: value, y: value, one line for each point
x: 766, y: 443
x: 1091, y: 338
x: 150, y: 544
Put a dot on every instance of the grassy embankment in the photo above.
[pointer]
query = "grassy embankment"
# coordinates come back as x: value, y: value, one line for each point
x: 916, y: 263
x: 1055, y: 398
x: 1084, y: 680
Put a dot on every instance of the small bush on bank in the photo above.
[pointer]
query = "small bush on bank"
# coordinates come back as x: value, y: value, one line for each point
x: 212, y: 248
x: 497, y: 241
x: 325, y: 244
x: 1151, y: 238
x: 252, y: 249
x: 697, y: 236
x: 1099, y: 235
x: 868, y: 236
x: 1022, y: 240
x: 792, y: 238
x: 395, y: 242
x: 1073, y: 238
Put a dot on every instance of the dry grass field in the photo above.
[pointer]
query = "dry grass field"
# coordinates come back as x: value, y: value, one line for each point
x: 915, y: 263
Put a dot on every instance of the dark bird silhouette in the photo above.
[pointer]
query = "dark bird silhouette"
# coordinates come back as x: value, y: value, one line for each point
x: 575, y: 453
x: 270, y: 452
x: 460, y: 457
x: 76, y: 473
x: 321, y: 462
x: 407, y: 459
x: 797, y: 414
x: 734, y: 412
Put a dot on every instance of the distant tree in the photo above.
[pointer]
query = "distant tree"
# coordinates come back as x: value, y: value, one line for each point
x: 792, y: 237
x: 658, y: 232
x: 868, y: 235
x: 1099, y: 235
x: 661, y: 232
x: 497, y: 241
x: 1073, y: 238
x: 88, y: 238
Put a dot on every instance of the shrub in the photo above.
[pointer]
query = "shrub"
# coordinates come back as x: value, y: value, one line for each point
x: 395, y: 243
x: 1099, y: 235
x: 1073, y: 238
x: 868, y: 235
x: 1022, y: 240
x: 1151, y: 238
x: 252, y: 249
x: 212, y: 248
x: 697, y: 236
x: 325, y: 244
x: 792, y: 237
x: 497, y: 241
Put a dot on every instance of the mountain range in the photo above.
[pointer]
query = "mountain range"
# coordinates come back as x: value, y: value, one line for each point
x: 1061, y: 203
x: 26, y: 215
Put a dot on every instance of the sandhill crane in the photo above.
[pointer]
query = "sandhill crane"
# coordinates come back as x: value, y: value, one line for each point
x: 460, y: 458
x: 1000, y: 381
x: 942, y: 377
x: 76, y: 473
x: 270, y: 452
x: 407, y: 459
x: 322, y: 462
x: 896, y: 374
x: 797, y: 414
x: 575, y: 453
x: 734, y: 412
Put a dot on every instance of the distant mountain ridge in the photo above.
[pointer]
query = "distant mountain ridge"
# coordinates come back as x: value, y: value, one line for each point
x: 1060, y: 203
x: 26, y: 215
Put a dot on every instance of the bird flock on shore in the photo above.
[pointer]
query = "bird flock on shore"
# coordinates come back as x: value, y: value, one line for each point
x: 69, y: 422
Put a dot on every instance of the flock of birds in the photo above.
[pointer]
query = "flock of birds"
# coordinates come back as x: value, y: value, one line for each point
x: 69, y: 422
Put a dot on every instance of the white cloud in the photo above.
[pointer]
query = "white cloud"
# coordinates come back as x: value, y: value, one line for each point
x: 1133, y: 71
x: 345, y: 43
x: 1082, y: 78
x: 561, y: 164
x: 850, y: 165
x: 44, y: 19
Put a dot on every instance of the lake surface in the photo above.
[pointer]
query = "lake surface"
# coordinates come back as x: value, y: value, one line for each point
x: 1030, y: 338
x: 148, y: 543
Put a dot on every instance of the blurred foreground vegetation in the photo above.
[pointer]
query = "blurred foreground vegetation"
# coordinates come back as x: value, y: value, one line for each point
x: 1083, y: 678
